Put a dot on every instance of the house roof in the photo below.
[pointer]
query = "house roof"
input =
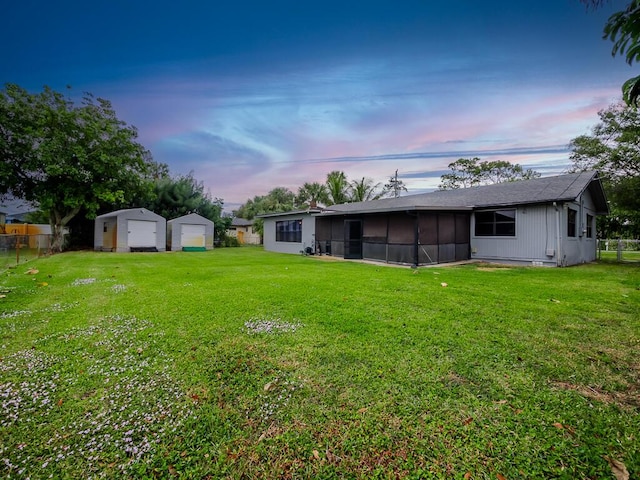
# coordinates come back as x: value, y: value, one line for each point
x: 294, y: 212
x: 241, y: 222
x: 561, y: 188
x: 15, y: 207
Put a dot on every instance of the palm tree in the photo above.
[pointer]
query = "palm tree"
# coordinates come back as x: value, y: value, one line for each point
x: 338, y: 187
x: 312, y: 194
x: 364, y: 190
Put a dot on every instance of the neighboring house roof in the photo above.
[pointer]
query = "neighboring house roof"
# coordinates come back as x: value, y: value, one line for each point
x: 294, y: 212
x: 241, y: 222
x: 560, y: 188
x: 16, y: 208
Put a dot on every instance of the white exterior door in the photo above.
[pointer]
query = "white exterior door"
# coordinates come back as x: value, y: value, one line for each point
x: 192, y: 235
x: 141, y: 233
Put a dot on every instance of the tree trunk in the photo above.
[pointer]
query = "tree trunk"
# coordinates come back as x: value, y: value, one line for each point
x: 58, y: 222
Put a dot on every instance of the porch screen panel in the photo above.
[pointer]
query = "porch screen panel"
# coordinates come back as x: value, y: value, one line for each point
x: 323, y: 229
x: 337, y: 236
x: 401, y: 253
x: 447, y: 252
x: 374, y: 251
x: 374, y: 229
x: 337, y: 229
x: 462, y: 227
x: 428, y: 228
x: 446, y: 228
x: 401, y: 229
x: 428, y: 254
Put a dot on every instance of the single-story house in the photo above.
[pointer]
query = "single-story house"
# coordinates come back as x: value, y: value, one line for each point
x: 130, y: 230
x: 290, y: 232
x: 242, y: 229
x: 190, y: 232
x: 544, y: 221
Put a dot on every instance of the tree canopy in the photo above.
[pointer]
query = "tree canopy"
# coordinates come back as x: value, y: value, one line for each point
x: 181, y: 195
x: 623, y: 29
x: 470, y: 172
x: 68, y: 157
x: 613, y: 148
x: 364, y: 190
x: 394, y: 186
x: 312, y: 195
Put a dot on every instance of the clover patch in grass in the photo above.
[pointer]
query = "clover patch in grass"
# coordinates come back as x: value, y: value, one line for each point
x: 83, y: 281
x: 99, y: 406
x: 255, y: 326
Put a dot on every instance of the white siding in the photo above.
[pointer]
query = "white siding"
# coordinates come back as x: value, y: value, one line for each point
x: 533, y: 243
x: 308, y: 234
x: 541, y: 236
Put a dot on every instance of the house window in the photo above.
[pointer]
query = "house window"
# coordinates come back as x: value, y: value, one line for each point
x: 289, y: 231
x: 496, y: 223
x: 589, y: 226
x: 572, y: 216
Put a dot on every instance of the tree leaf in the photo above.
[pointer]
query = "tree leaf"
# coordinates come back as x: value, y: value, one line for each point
x: 618, y: 468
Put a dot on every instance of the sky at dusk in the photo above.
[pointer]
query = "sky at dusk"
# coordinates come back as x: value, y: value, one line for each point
x: 252, y: 95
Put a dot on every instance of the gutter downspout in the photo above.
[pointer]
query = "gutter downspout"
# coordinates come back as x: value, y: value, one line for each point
x: 558, y: 244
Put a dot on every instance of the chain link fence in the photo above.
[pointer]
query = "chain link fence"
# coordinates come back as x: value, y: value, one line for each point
x: 16, y: 249
x: 620, y: 250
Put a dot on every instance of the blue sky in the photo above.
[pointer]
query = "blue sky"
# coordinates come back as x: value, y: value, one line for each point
x: 251, y: 95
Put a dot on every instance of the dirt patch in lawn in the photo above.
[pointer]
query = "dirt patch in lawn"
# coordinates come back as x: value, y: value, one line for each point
x: 628, y: 399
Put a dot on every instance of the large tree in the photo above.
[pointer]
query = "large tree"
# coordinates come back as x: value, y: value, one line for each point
x: 613, y: 148
x: 279, y: 199
x: 68, y: 157
x: 623, y: 29
x: 176, y: 196
x: 470, y: 172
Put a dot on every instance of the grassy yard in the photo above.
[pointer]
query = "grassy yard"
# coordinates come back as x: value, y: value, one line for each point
x: 238, y: 363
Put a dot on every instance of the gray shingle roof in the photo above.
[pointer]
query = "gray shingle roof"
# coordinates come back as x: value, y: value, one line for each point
x: 241, y: 222
x: 560, y: 188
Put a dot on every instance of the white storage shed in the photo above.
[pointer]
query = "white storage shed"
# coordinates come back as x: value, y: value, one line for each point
x: 190, y: 232
x: 130, y: 230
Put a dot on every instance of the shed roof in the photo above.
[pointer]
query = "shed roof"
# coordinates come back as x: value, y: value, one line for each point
x: 294, y: 212
x: 116, y: 213
x: 193, y: 218
x: 559, y: 188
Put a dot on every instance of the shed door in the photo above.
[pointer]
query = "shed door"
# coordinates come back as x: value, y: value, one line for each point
x: 141, y: 233
x: 192, y: 235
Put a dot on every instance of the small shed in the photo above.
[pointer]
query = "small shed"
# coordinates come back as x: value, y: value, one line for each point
x: 130, y: 230
x: 190, y: 232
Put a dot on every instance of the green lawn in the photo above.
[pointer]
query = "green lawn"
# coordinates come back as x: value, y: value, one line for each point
x: 238, y: 363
